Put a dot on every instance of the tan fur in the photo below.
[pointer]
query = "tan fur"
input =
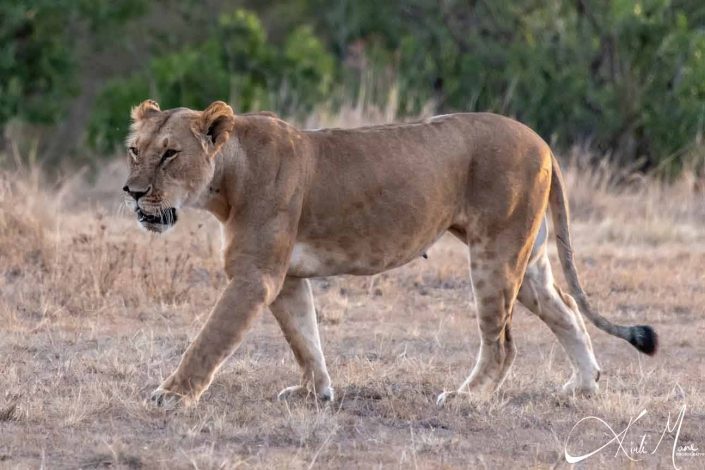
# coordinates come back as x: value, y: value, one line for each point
x: 296, y: 204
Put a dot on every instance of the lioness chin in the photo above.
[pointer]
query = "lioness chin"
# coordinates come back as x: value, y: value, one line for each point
x: 296, y: 204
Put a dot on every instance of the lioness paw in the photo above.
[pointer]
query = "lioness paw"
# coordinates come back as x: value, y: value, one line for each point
x: 327, y: 394
x: 164, y: 399
x: 587, y: 388
x: 300, y: 391
x: 443, y: 397
x: 447, y: 396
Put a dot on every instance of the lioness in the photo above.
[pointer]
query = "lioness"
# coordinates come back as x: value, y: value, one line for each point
x: 296, y: 204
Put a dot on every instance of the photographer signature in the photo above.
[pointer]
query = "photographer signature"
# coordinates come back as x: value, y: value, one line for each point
x: 633, y: 451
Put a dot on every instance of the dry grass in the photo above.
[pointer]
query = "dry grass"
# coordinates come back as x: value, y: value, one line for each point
x: 95, y: 312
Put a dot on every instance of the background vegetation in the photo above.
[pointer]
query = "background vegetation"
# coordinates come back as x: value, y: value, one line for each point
x: 625, y: 77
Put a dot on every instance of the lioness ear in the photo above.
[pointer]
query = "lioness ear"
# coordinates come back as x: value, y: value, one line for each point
x: 216, y: 123
x: 144, y: 110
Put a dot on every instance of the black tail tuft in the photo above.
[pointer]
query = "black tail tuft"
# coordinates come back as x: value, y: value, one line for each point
x: 644, y: 338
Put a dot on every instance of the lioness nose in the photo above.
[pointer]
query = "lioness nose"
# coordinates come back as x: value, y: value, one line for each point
x: 136, y: 193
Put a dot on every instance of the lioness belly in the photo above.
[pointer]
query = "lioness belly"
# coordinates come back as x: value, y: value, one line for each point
x: 319, y: 259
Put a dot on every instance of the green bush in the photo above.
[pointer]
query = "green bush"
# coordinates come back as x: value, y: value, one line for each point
x: 237, y: 63
x: 109, y: 124
x: 626, y: 76
x: 36, y: 65
x: 38, y: 48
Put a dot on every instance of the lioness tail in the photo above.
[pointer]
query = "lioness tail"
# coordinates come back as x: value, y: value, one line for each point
x: 642, y: 337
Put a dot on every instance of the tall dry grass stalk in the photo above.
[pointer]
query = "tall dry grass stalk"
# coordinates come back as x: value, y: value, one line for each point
x: 64, y: 256
x: 633, y: 208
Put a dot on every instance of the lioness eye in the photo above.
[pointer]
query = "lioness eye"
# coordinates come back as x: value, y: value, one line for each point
x: 167, y: 155
x: 133, y: 151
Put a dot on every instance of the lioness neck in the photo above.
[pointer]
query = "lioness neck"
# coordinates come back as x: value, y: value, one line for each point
x: 215, y: 197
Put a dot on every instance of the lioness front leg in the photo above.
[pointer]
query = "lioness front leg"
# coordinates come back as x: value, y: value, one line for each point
x: 296, y: 314
x: 242, y: 300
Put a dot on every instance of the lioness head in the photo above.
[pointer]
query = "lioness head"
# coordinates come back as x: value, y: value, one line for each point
x: 171, y: 158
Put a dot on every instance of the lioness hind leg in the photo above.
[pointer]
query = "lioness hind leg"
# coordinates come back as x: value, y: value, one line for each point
x: 296, y: 314
x: 495, y: 280
x: 558, y: 310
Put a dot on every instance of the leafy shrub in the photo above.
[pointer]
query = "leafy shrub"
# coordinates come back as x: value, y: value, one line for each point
x: 627, y: 76
x: 237, y: 63
x: 38, y: 48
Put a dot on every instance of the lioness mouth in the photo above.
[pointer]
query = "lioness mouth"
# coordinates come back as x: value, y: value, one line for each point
x: 164, y: 217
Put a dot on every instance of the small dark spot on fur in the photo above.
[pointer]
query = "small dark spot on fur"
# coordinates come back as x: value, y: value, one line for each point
x: 487, y: 301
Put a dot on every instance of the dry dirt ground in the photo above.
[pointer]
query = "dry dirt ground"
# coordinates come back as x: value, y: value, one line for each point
x: 94, y: 312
